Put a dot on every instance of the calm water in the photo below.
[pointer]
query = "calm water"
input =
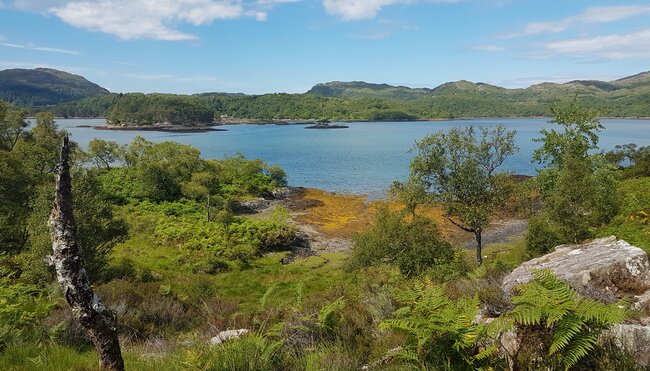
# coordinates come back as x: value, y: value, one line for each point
x: 363, y: 159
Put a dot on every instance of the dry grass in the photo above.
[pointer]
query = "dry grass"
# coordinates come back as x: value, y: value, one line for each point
x: 343, y: 215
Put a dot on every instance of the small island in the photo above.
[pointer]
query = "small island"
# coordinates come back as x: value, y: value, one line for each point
x: 326, y: 125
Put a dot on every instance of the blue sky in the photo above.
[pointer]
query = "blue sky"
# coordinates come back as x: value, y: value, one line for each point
x: 261, y: 46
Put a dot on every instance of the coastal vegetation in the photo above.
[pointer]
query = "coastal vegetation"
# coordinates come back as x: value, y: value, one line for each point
x: 170, y: 246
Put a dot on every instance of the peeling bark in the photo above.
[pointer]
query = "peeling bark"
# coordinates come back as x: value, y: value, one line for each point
x: 99, y: 322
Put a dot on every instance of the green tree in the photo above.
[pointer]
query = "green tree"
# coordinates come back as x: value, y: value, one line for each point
x: 458, y: 169
x: 12, y: 124
x: 410, y: 194
x: 414, y: 246
x: 104, y: 153
x: 577, y: 186
x: 97, y: 230
x: 15, y: 192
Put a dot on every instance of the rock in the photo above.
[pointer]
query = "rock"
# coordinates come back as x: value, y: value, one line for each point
x: 251, y: 206
x: 283, y: 192
x: 227, y: 335
x: 603, y: 269
x: 634, y: 338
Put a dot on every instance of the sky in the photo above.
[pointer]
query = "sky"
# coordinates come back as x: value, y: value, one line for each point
x: 266, y: 46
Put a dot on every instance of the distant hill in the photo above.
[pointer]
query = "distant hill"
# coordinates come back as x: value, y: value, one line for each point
x: 41, y: 89
x: 45, y: 87
x: 359, y: 89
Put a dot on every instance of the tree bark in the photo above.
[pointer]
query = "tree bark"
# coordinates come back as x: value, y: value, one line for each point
x: 99, y: 322
x: 479, y: 247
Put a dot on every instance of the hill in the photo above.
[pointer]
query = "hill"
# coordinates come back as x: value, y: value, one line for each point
x: 356, y: 100
x: 45, y: 87
x: 363, y: 89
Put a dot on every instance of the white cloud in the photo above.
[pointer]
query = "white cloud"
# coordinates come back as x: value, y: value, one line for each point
x: 147, y: 19
x: 365, y: 9
x: 614, y: 46
x: 488, y: 48
x: 40, y: 48
x: 592, y: 15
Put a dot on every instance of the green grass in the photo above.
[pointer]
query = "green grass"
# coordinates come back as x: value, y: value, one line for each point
x: 629, y: 225
x: 511, y: 253
x: 29, y: 357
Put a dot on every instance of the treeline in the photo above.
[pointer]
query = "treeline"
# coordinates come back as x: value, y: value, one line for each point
x: 145, y: 109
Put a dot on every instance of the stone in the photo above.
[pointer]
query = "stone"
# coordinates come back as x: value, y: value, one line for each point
x: 252, y: 206
x: 604, y: 269
x: 227, y: 335
x: 634, y: 338
x: 283, y: 192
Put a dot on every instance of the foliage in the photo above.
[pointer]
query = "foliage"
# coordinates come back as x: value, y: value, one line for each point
x: 441, y: 333
x: 361, y: 101
x: 104, y: 153
x: 574, y: 322
x: 458, y: 168
x: 542, y: 236
x: 97, y: 230
x: 141, y: 109
x: 414, y: 246
x: 21, y: 307
x: 249, y: 353
x: 577, y: 188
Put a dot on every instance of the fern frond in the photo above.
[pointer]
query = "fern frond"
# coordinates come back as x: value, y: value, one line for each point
x: 579, y: 347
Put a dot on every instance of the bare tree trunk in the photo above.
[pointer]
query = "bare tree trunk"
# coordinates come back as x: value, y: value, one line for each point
x: 479, y: 247
x: 87, y: 308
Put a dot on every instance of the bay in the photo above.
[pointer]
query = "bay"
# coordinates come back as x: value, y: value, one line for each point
x: 364, y: 159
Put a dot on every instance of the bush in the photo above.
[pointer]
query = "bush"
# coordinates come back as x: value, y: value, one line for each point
x: 21, y: 307
x: 414, y: 246
x: 542, y: 236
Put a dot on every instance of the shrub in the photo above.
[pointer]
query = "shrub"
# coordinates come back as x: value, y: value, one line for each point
x: 542, y: 236
x: 414, y: 246
x: 21, y: 307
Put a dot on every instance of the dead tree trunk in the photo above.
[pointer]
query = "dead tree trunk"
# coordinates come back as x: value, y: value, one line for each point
x: 99, y: 322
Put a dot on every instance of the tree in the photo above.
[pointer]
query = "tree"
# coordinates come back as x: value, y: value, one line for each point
x: 87, y: 307
x: 414, y: 246
x: 410, y: 194
x: 104, y: 153
x: 12, y: 125
x: 458, y: 169
x: 576, y: 185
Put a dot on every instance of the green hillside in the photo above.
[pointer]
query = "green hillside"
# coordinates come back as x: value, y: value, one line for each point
x: 45, y: 87
x: 626, y: 97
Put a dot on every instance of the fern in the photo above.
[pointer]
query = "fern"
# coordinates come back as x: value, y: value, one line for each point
x: 440, y: 331
x: 329, y: 315
x: 574, y: 322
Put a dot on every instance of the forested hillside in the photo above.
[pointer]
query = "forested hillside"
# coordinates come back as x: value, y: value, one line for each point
x: 45, y: 87
x: 627, y: 97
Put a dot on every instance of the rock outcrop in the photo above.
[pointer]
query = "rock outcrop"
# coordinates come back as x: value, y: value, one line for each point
x: 604, y: 269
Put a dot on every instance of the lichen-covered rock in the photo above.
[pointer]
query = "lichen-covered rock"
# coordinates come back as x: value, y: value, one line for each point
x: 227, y: 335
x: 634, y: 338
x: 604, y: 269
